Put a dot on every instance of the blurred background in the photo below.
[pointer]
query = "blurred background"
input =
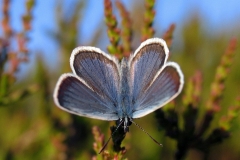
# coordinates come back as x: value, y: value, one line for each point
x: 37, y: 38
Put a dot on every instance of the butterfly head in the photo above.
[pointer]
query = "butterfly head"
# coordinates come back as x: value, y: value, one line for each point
x: 125, y: 123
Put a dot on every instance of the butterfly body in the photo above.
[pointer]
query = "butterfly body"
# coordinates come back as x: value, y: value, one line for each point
x: 102, y: 88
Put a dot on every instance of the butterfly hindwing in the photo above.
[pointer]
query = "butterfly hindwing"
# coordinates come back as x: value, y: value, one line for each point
x: 167, y: 84
x: 73, y: 95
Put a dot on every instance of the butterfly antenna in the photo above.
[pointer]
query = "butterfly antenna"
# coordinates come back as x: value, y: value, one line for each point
x: 104, y: 146
x: 147, y: 133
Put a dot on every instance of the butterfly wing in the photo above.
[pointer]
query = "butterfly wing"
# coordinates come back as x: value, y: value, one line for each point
x: 145, y: 67
x: 166, y: 85
x: 144, y: 64
x: 93, y: 88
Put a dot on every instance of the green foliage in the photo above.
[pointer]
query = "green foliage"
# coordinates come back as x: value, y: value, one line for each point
x: 149, y: 14
x: 202, y: 122
x: 113, y: 31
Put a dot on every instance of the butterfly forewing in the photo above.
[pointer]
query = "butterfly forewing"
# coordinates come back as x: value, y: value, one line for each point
x: 99, y: 70
x: 166, y: 85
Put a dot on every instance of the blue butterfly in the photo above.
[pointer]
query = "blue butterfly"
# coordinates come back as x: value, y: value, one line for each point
x: 102, y: 88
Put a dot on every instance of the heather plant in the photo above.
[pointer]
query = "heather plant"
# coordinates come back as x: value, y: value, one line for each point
x: 189, y: 135
x: 11, y: 57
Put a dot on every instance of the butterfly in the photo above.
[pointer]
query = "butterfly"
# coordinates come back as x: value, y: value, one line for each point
x: 103, y: 88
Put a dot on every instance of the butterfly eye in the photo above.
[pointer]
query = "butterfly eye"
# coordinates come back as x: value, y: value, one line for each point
x: 129, y: 123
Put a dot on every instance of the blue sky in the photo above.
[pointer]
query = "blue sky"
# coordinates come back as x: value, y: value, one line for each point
x: 216, y: 16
